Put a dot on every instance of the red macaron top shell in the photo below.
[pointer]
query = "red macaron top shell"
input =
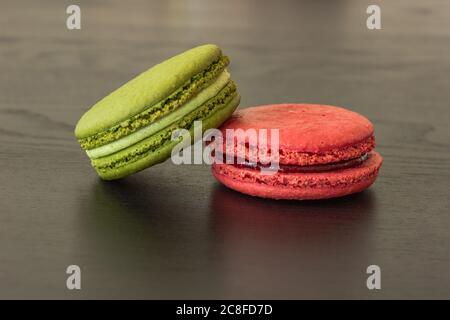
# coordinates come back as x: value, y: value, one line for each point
x: 308, y: 133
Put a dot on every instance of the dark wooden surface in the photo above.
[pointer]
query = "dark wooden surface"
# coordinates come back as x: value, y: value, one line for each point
x: 172, y: 231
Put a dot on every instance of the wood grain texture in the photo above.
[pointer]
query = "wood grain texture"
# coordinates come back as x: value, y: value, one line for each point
x: 172, y: 231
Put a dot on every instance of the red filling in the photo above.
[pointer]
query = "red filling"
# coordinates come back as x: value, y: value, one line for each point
x: 313, y: 168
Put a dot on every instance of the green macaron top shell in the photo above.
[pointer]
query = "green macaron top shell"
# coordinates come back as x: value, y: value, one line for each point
x: 177, y: 99
x: 146, y: 90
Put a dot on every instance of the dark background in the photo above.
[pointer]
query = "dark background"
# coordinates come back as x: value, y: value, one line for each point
x: 172, y: 231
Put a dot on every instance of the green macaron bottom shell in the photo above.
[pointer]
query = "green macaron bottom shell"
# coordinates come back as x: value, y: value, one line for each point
x: 197, y: 101
x: 158, y: 148
x: 192, y: 87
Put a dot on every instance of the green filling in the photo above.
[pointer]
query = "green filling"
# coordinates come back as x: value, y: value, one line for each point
x: 177, y: 99
x: 151, y: 144
x: 206, y: 94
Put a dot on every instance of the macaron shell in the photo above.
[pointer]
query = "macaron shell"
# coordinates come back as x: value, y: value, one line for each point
x: 300, y: 186
x: 146, y: 89
x: 309, y: 133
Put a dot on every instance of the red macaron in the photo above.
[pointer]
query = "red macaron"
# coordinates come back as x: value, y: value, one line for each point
x: 323, y: 152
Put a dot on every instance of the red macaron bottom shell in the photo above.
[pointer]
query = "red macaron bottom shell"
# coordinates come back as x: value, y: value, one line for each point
x: 300, y: 186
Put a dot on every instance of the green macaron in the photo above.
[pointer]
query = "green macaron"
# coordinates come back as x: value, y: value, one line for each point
x: 131, y: 128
